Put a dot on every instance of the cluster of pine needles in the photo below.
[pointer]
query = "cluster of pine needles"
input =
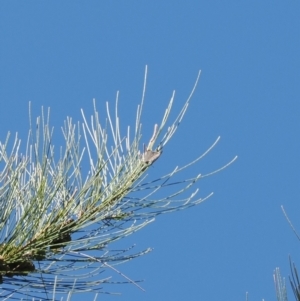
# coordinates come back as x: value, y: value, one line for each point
x: 61, y: 209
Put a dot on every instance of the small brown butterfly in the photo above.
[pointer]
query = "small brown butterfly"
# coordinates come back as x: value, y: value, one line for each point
x: 150, y: 156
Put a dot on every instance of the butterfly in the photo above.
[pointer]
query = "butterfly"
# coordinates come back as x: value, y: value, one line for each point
x: 150, y: 156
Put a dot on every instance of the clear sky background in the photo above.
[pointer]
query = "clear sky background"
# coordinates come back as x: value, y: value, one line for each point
x: 62, y: 54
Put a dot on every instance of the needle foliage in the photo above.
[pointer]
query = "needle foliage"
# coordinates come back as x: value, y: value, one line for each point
x: 61, y: 209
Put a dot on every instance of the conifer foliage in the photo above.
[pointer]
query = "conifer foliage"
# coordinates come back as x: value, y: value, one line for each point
x: 62, y: 208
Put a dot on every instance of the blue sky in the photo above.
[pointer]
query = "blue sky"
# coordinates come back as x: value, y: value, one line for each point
x: 62, y: 54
